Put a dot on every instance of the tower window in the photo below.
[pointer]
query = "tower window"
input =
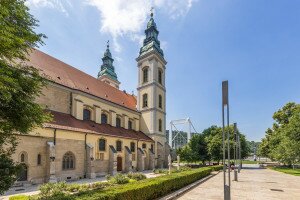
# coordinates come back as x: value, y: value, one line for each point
x: 129, y: 124
x: 159, y: 125
x: 103, y: 118
x: 119, y: 145
x: 145, y: 75
x: 102, y: 144
x: 160, y: 76
x: 160, y: 101
x: 86, y: 114
x: 145, y: 100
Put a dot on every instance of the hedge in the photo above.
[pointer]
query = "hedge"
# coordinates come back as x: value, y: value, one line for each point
x: 147, y: 189
x: 150, y: 188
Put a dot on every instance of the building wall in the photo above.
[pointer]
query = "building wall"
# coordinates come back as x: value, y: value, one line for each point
x: 31, y: 146
x: 55, y: 98
x: 69, y: 141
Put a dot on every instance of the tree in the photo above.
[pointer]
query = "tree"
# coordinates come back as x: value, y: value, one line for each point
x: 198, y: 146
x: 282, y: 141
x: 19, y: 84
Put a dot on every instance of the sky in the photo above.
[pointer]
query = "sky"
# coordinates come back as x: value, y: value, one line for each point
x: 254, y: 44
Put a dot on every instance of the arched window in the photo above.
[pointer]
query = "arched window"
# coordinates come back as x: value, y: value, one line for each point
x: 159, y: 125
x: 132, y: 146
x: 22, y: 157
x: 118, y: 122
x: 145, y: 75
x: 159, y: 76
x: 160, y: 101
x: 152, y: 148
x: 102, y: 144
x: 119, y: 145
x: 129, y: 124
x: 39, y: 159
x: 86, y: 114
x: 144, y: 145
x: 103, y: 118
x: 145, y: 100
x: 68, y: 162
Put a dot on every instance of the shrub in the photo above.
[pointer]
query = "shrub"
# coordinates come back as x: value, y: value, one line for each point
x: 119, y: 179
x: 19, y: 197
x: 136, y: 176
x: 52, y: 189
x: 150, y: 188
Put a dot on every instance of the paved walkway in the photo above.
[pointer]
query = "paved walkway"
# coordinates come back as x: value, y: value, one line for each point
x: 253, y: 184
x: 34, y: 189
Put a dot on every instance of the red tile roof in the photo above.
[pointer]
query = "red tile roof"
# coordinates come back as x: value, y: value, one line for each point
x: 66, y: 75
x: 68, y: 122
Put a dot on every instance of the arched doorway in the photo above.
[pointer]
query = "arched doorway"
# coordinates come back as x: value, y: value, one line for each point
x: 119, y: 163
x: 23, y: 173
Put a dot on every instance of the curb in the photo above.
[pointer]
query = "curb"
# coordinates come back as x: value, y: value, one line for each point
x: 183, y: 190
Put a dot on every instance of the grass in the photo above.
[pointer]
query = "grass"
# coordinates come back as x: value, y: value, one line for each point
x: 287, y: 170
x: 249, y: 162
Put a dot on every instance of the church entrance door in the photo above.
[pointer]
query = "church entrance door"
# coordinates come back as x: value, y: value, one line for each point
x: 23, y: 173
x: 119, y: 163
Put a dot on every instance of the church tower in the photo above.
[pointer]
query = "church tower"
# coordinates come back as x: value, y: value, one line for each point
x: 107, y: 73
x: 152, y: 92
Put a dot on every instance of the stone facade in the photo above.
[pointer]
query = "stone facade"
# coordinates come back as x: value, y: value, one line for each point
x: 96, y: 130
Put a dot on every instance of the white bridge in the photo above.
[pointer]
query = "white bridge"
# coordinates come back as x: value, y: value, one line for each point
x: 173, y: 124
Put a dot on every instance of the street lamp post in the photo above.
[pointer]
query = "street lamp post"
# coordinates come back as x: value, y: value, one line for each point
x: 235, y: 152
x: 225, y: 103
x: 240, y: 159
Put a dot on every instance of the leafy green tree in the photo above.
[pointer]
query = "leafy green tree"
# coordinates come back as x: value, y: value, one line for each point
x: 198, y: 146
x: 282, y: 141
x: 19, y: 84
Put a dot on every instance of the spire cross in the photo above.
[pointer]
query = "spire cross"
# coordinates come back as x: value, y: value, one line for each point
x: 151, y: 10
x: 107, y: 43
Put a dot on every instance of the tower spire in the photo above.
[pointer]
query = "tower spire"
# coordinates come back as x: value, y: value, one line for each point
x: 151, y: 41
x: 107, y: 72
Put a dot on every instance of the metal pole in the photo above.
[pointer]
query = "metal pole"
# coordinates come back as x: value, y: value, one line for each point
x: 240, y: 158
x: 228, y: 146
x: 235, y: 152
x: 225, y: 103
x: 171, y: 136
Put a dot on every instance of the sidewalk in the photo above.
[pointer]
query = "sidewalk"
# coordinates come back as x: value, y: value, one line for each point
x: 253, y: 184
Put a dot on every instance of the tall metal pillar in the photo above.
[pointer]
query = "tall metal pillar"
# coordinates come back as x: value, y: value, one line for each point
x: 225, y: 103
x: 171, y: 135
x: 235, y: 152
x: 240, y: 158
x: 189, y: 133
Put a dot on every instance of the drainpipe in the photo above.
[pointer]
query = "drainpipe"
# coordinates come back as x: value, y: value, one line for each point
x: 71, y: 102
x: 54, y: 137
x: 85, y: 156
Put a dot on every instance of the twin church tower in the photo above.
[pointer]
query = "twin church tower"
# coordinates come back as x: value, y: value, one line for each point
x: 151, y: 95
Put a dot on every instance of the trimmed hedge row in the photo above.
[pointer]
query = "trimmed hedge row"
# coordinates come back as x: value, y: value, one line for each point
x: 148, y: 189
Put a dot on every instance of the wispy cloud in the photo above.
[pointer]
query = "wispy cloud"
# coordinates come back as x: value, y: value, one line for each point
x: 59, y: 5
x: 121, y: 18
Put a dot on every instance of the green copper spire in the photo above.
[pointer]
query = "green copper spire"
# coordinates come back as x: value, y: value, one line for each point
x: 107, y: 68
x: 151, y: 42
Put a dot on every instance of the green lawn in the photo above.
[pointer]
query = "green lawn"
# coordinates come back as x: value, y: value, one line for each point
x: 249, y: 162
x: 295, y: 172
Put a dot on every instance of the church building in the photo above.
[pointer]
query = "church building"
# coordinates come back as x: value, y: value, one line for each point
x: 97, y: 129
